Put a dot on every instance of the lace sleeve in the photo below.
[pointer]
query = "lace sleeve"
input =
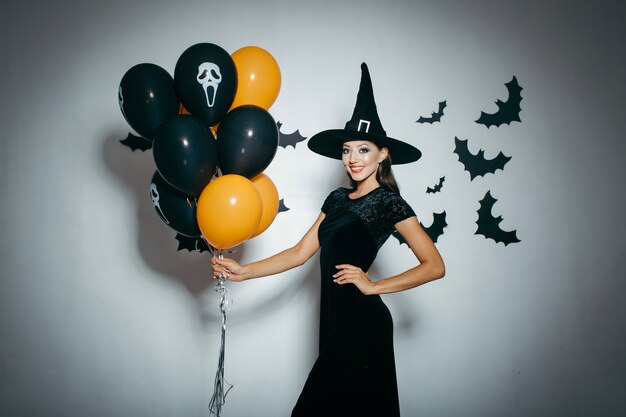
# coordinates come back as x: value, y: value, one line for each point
x: 397, y: 209
x: 332, y: 201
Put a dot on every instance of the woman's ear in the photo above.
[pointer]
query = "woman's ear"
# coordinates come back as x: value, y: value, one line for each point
x: 383, y: 154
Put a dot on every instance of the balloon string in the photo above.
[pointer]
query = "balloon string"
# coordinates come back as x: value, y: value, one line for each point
x: 219, y: 395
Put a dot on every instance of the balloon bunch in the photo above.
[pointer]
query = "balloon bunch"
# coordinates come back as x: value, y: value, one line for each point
x: 211, y: 136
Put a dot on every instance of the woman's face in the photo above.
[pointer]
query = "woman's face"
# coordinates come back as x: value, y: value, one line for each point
x: 361, y: 159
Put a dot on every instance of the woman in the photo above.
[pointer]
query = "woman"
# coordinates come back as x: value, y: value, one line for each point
x: 354, y: 374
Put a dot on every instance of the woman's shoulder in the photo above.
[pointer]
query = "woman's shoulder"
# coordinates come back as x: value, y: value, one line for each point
x: 394, y: 206
x: 334, y: 198
x: 389, y: 196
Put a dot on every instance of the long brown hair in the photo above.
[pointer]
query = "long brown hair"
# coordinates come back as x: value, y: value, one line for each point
x: 384, y: 176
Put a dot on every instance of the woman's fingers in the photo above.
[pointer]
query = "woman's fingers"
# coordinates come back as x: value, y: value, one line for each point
x: 347, y: 266
x: 219, y: 268
x: 227, y: 268
x: 345, y: 269
x: 350, y: 274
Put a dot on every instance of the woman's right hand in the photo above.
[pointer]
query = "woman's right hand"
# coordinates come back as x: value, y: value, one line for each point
x: 229, y: 268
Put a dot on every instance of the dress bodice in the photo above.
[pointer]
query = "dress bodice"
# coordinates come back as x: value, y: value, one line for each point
x: 379, y: 210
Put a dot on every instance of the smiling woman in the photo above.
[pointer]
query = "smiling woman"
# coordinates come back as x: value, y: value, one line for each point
x: 362, y: 159
x: 354, y: 374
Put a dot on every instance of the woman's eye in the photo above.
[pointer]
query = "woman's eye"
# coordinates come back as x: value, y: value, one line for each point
x: 364, y: 150
x: 345, y: 151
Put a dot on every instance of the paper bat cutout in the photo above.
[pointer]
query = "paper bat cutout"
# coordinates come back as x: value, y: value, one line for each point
x: 477, y: 164
x: 136, y: 142
x: 289, y: 140
x: 434, y: 230
x: 508, y: 111
x: 192, y: 244
x: 489, y: 226
x: 436, y: 188
x: 281, y: 206
x: 435, y: 116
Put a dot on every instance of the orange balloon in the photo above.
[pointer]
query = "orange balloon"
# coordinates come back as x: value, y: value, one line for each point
x: 229, y: 211
x: 182, y: 109
x: 269, y: 195
x: 258, y: 77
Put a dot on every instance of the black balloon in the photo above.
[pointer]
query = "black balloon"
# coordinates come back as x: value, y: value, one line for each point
x: 247, y: 141
x: 206, y: 81
x: 147, y: 98
x: 185, y: 153
x: 176, y: 209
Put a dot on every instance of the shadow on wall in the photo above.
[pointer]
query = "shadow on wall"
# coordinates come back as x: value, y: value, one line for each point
x: 157, y: 244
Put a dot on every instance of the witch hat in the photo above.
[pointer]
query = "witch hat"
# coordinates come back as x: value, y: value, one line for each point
x: 364, y: 125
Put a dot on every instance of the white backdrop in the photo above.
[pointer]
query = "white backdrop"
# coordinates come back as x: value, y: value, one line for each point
x: 101, y: 316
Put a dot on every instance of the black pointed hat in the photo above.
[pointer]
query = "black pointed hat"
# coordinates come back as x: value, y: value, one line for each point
x: 364, y: 125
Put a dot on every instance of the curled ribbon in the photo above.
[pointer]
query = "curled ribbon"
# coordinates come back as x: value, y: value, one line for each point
x: 219, y: 394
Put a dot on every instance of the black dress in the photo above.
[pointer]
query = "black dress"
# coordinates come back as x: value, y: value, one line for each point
x: 354, y: 374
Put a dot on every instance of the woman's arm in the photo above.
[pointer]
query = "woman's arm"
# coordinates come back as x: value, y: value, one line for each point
x: 282, y: 261
x: 430, y: 268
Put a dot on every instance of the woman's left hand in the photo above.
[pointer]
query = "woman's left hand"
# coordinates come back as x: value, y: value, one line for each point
x: 350, y: 274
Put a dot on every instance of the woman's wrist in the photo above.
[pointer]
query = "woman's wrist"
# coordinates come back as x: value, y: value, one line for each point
x: 246, y: 272
x: 375, y: 288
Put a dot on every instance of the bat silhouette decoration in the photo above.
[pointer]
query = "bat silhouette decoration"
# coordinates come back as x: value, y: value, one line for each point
x: 489, y: 226
x: 281, y: 206
x: 192, y: 244
x: 434, y: 116
x: 136, y: 142
x: 289, y: 140
x: 434, y: 230
x: 508, y: 111
x: 437, y: 187
x: 477, y: 165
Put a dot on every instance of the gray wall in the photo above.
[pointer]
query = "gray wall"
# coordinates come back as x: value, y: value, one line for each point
x: 101, y: 316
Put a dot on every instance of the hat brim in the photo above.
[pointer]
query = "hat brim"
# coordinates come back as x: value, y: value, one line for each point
x: 329, y: 143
